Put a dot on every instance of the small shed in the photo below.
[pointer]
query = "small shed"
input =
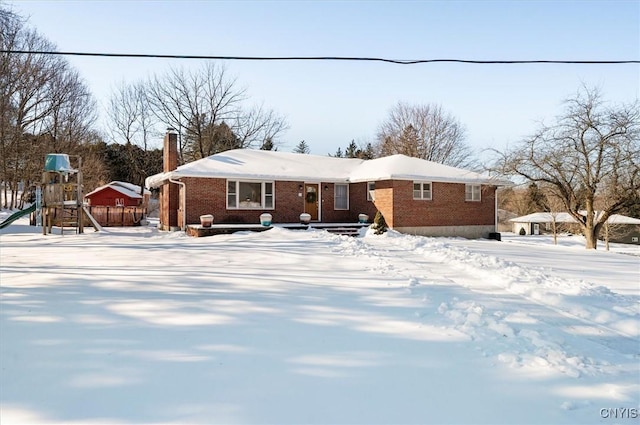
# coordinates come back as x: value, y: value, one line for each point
x: 119, y: 194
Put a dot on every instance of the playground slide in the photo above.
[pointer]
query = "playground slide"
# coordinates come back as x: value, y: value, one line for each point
x: 16, y: 215
x: 94, y: 223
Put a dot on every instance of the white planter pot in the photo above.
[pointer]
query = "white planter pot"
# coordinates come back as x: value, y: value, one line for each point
x: 363, y: 218
x: 305, y: 218
x: 206, y: 220
x: 265, y: 219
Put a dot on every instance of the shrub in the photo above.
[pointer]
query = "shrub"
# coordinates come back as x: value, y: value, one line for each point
x: 379, y: 224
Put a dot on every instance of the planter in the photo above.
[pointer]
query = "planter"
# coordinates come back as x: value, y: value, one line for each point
x: 363, y: 218
x: 206, y: 220
x: 265, y: 219
x: 305, y: 218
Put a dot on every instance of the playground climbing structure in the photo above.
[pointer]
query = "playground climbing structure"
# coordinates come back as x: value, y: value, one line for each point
x: 61, y: 203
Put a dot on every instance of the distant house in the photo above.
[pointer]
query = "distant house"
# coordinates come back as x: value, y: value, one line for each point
x: 539, y: 222
x: 118, y: 194
x: 415, y: 196
x: 620, y: 228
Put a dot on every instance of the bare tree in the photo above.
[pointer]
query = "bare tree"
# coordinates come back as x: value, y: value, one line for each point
x: 611, y: 230
x: 591, y: 152
x: 131, y: 121
x: 196, y: 103
x: 424, y: 131
x: 554, y: 206
x: 44, y: 105
x: 256, y: 125
x: 514, y: 200
x: 204, y: 140
x: 73, y: 113
x: 124, y: 111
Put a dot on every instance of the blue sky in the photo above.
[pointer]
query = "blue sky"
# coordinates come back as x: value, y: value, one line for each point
x: 330, y: 103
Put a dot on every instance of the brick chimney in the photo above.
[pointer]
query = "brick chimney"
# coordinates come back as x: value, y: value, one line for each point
x: 169, y: 201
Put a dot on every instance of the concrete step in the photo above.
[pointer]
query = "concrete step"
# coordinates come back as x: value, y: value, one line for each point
x: 348, y: 231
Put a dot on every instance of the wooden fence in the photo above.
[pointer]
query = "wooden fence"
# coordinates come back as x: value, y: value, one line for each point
x: 117, y: 216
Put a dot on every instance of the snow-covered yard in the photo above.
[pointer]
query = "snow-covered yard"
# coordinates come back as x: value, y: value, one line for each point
x: 304, y: 327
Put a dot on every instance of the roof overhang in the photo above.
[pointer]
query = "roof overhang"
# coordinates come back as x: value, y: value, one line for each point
x: 247, y: 164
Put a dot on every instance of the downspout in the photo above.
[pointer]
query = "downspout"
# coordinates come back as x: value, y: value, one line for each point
x: 183, y: 201
x: 495, y: 210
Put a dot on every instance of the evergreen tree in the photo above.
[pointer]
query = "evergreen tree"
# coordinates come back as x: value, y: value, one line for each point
x: 536, y: 199
x: 367, y: 153
x: 302, y: 147
x: 338, y: 153
x: 352, y: 150
x: 634, y: 209
x: 379, y: 223
x: 267, y: 145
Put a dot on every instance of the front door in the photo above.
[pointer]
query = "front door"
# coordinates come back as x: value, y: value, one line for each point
x: 311, y: 200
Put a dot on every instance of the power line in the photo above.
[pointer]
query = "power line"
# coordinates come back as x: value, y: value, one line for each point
x: 322, y: 58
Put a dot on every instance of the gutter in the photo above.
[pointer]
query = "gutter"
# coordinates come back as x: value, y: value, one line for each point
x: 183, y: 202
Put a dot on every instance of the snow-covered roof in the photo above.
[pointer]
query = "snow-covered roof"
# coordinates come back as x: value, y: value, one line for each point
x: 128, y: 189
x: 622, y: 219
x: 545, y: 217
x: 563, y: 217
x: 286, y: 166
x: 402, y: 167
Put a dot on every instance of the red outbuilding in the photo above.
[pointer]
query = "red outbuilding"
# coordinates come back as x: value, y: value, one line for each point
x: 119, y: 194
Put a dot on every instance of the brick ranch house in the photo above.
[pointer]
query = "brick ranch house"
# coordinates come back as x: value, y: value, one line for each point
x: 415, y: 196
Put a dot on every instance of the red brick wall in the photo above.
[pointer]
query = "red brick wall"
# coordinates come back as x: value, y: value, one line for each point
x: 384, y: 200
x: 393, y: 198
x: 447, y: 206
x: 358, y: 202
x: 208, y: 196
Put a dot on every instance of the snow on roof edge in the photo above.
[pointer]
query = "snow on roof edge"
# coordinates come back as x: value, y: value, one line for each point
x: 129, y: 189
x: 565, y: 217
x: 298, y: 167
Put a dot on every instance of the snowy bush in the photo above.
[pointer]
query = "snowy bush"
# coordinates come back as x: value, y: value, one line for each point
x: 379, y: 224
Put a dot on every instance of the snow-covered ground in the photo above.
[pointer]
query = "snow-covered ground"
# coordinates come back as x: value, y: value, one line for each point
x: 304, y: 327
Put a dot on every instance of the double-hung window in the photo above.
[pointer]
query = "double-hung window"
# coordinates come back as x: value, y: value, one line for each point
x: 371, y: 194
x: 341, y: 197
x: 422, y: 190
x: 250, y: 195
x: 472, y: 192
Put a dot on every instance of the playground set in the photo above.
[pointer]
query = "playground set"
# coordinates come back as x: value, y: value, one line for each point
x: 59, y: 199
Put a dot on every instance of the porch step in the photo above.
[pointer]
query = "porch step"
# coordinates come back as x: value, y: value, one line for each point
x: 347, y: 231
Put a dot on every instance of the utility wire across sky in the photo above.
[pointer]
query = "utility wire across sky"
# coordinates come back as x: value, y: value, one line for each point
x: 323, y: 58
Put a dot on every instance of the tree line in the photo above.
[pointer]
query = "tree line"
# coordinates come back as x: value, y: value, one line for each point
x: 45, y: 107
x: 586, y: 161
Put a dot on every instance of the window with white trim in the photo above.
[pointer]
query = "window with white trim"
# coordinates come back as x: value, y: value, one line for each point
x: 422, y: 190
x: 249, y: 195
x: 341, y: 197
x: 472, y: 192
x: 371, y: 187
